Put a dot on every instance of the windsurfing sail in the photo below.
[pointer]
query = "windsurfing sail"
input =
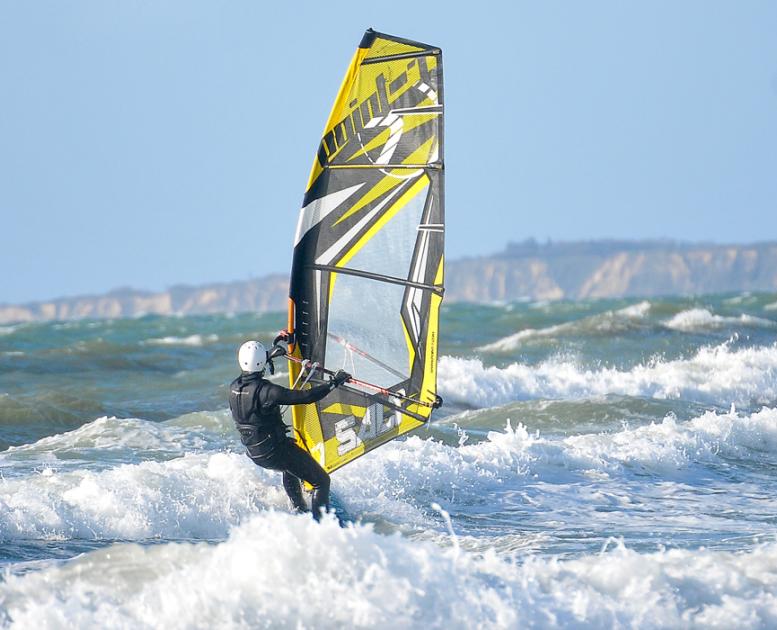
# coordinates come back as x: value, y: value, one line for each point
x: 367, y: 273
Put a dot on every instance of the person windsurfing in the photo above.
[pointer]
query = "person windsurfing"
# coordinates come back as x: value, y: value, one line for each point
x: 255, y: 405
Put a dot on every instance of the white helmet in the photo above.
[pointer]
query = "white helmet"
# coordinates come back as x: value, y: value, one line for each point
x: 252, y: 357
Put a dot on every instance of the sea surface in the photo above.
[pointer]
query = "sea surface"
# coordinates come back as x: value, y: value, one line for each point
x: 607, y: 463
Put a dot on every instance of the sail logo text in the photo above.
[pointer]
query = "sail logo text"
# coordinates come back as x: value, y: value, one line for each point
x: 374, y: 423
x: 376, y: 104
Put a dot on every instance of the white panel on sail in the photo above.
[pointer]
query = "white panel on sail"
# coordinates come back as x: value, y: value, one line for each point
x: 316, y: 211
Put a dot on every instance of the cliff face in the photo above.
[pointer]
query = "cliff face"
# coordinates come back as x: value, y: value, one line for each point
x: 611, y: 269
x: 263, y: 294
x: 596, y: 269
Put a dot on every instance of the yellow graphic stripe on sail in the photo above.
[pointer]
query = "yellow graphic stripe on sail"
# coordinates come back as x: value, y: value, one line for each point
x: 400, y: 203
x: 419, y: 156
x: 341, y: 104
x: 429, y: 382
x: 378, y: 190
x: 377, y: 141
x: 305, y: 418
x: 410, y: 121
x: 346, y: 410
x: 410, y: 348
x: 438, y: 278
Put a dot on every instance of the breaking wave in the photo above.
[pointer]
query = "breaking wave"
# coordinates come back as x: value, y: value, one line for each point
x: 700, y: 319
x: 387, y: 582
x: 716, y: 375
x: 194, y: 496
x: 602, y: 323
x: 205, y: 494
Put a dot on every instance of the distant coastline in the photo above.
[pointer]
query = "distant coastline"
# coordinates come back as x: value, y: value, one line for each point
x: 525, y: 270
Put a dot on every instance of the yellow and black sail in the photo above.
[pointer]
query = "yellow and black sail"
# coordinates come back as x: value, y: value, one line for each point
x: 367, y: 274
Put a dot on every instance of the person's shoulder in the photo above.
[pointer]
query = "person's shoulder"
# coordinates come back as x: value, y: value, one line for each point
x: 236, y: 381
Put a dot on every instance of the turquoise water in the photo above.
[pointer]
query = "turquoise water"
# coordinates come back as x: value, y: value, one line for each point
x: 606, y: 462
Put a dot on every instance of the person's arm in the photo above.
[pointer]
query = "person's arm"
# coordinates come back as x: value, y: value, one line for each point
x: 276, y: 395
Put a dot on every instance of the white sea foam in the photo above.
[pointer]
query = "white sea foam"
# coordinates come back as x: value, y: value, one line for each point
x: 700, y: 319
x: 636, y: 311
x: 394, y: 480
x: 717, y: 375
x: 607, y: 322
x: 194, y: 496
x: 191, y: 340
x: 278, y: 570
x: 771, y: 307
x: 671, y: 445
x: 205, y: 495
x: 511, y: 342
x: 106, y: 441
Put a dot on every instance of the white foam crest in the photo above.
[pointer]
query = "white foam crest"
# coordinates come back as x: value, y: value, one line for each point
x: 279, y: 570
x: 511, y: 342
x: 717, y: 375
x: 194, y: 496
x: 106, y: 440
x: 771, y: 307
x: 635, y: 311
x: 670, y: 445
x: 700, y: 319
x: 8, y: 330
x: 398, y: 479
x: 204, y: 495
x: 191, y: 340
x: 609, y: 321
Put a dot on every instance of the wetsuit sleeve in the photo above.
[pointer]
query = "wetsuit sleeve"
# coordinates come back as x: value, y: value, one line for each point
x: 273, y: 394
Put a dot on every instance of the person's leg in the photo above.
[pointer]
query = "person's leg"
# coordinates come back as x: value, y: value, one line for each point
x: 294, y: 491
x: 301, y: 465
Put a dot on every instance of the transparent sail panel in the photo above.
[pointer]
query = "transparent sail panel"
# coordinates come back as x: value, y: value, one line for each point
x: 365, y: 335
x: 390, y: 251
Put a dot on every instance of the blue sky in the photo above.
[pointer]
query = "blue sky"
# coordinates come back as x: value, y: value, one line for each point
x: 148, y: 143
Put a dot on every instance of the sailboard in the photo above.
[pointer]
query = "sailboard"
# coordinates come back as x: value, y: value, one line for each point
x: 367, y: 275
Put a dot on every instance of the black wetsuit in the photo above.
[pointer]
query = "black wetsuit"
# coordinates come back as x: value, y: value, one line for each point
x: 254, y: 402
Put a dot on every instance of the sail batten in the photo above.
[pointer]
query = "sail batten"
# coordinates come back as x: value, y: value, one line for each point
x: 383, y: 167
x: 367, y: 276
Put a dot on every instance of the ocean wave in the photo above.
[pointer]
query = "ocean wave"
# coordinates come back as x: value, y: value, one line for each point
x: 397, y: 480
x: 716, y: 375
x: 203, y: 495
x: 700, y: 319
x: 277, y: 569
x: 194, y: 496
x: 607, y: 322
x: 670, y: 445
x: 110, y: 440
x: 191, y: 340
x: 771, y: 306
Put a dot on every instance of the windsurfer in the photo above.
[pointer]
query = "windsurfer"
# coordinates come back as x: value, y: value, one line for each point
x: 255, y: 405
